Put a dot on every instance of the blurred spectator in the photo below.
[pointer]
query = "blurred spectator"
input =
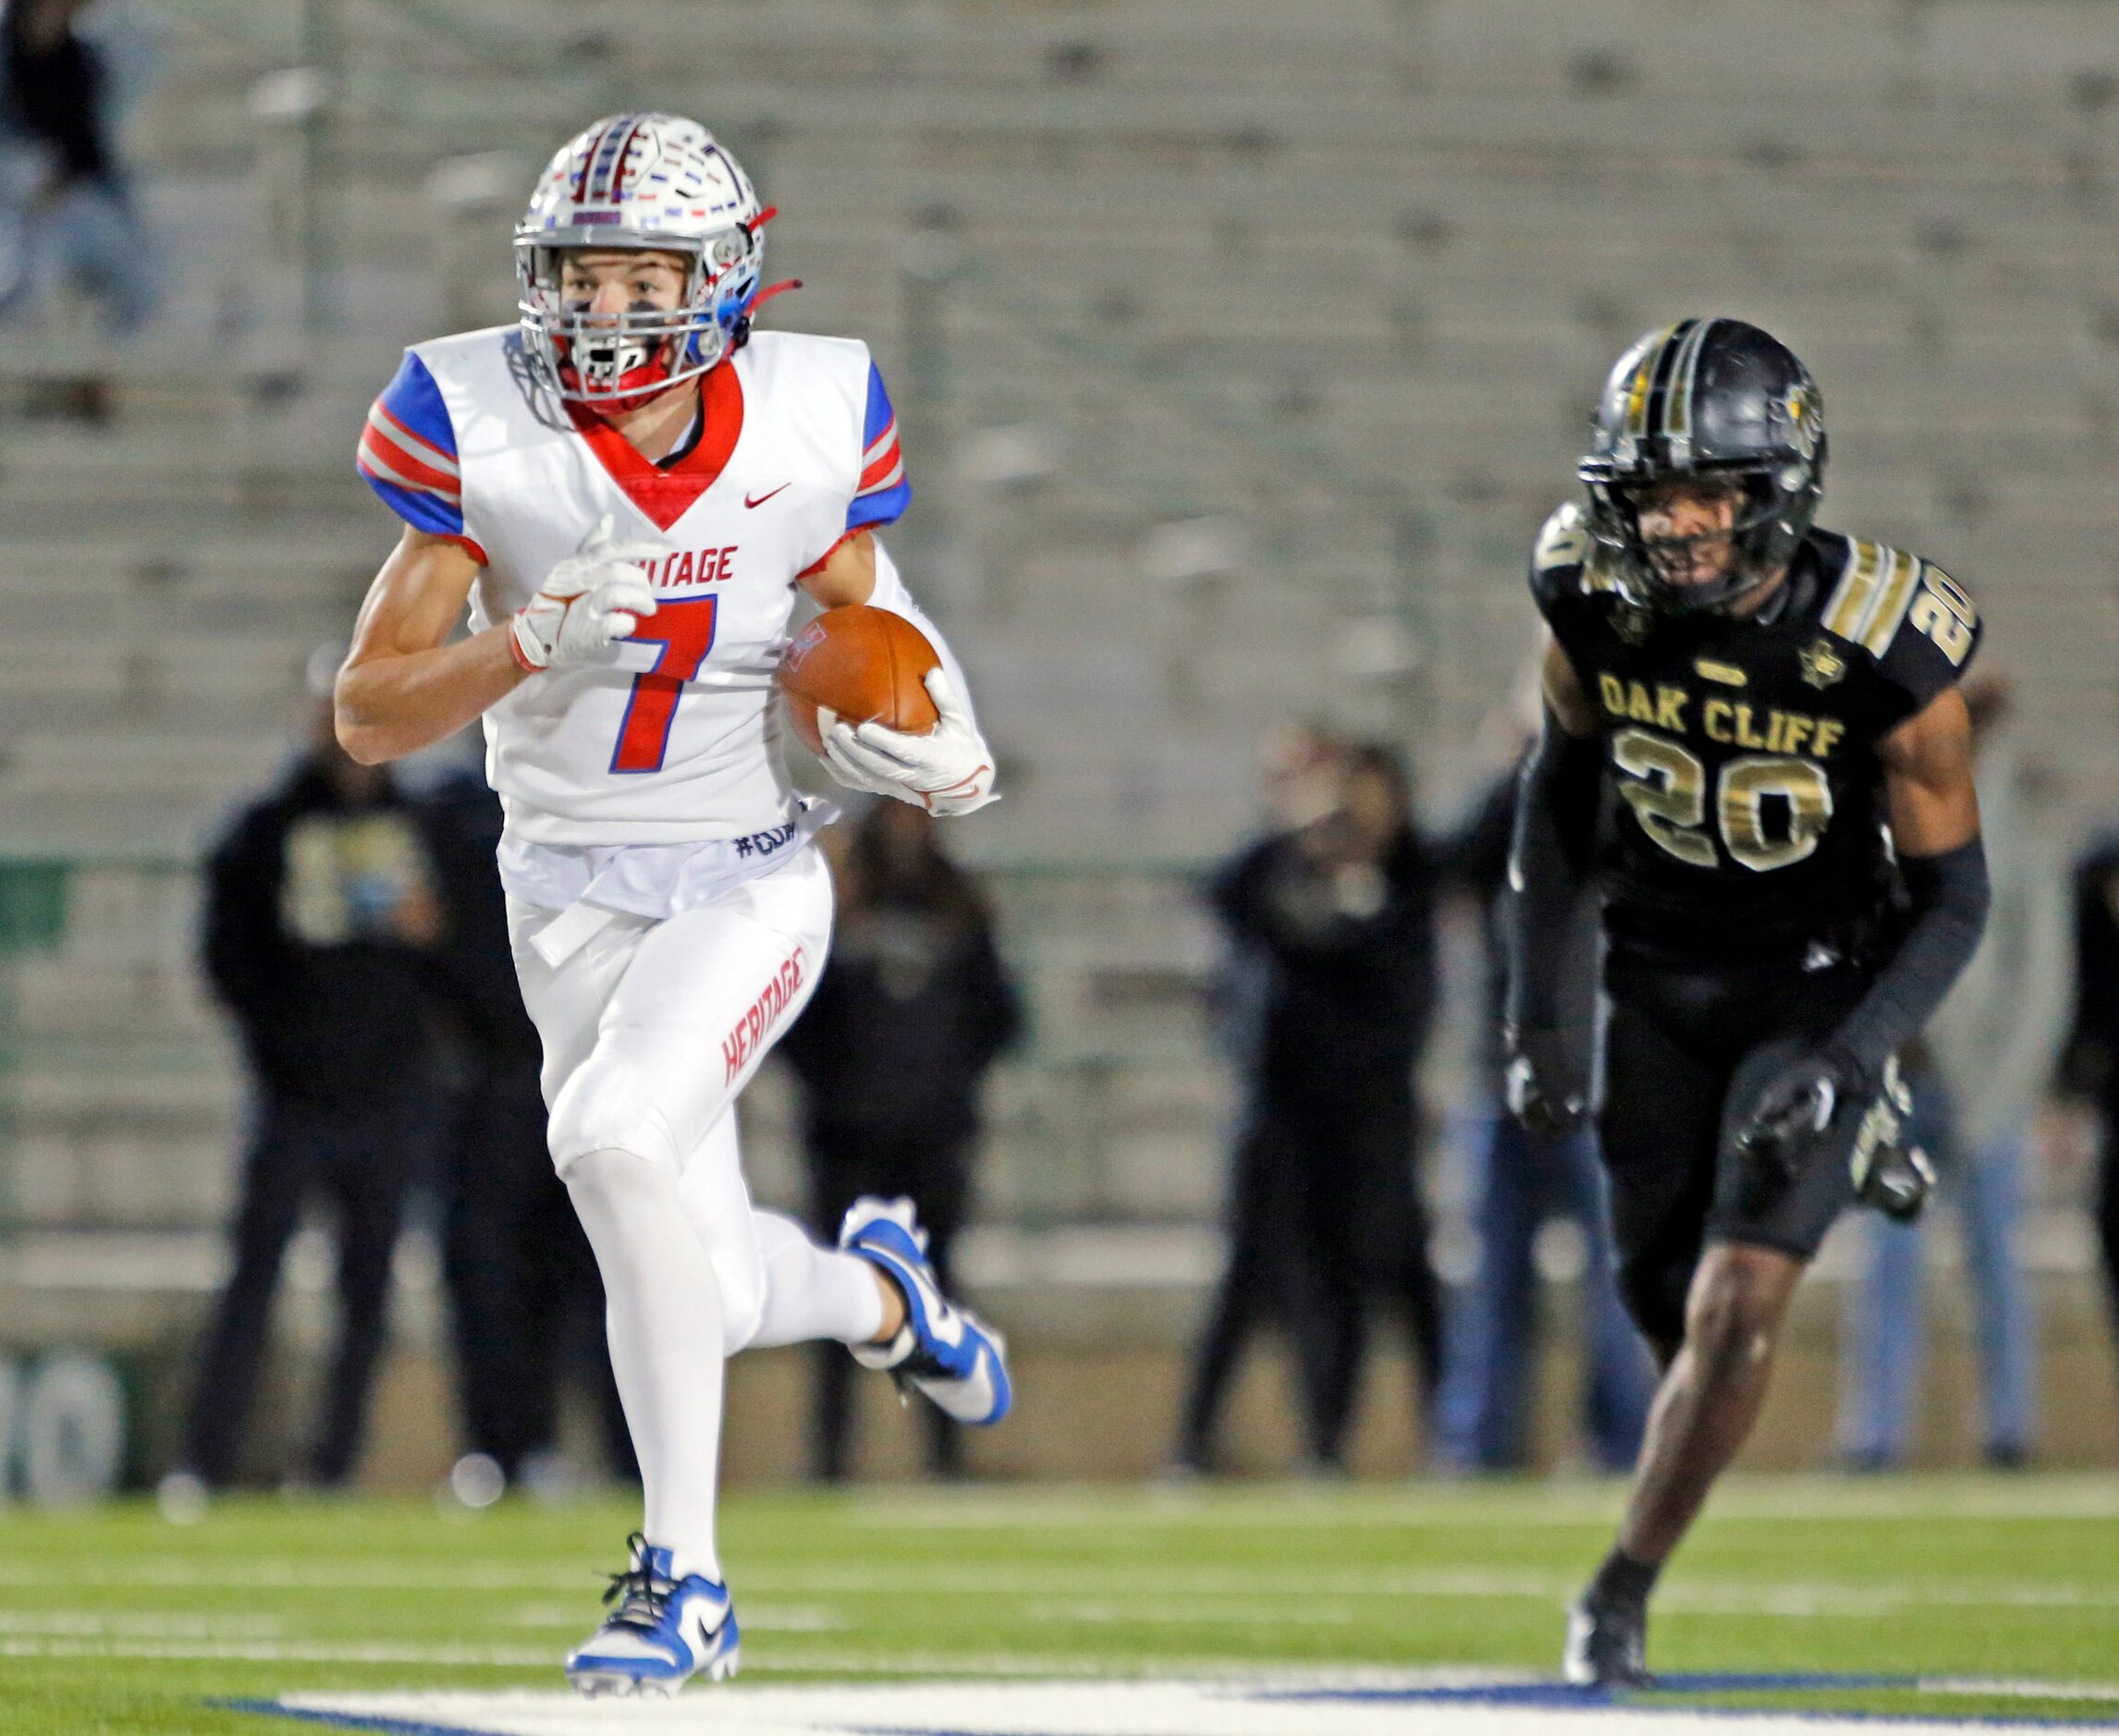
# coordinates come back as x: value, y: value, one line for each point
x: 2090, y: 1072
x: 1977, y: 1082
x: 1299, y: 773
x: 525, y: 1298
x: 67, y: 209
x: 318, y: 903
x: 1519, y: 1183
x: 912, y: 1008
x: 1268, y: 1277
x: 1326, y: 1219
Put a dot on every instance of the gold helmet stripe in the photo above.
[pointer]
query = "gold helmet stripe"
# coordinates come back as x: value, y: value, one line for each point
x: 1677, y: 406
x: 1644, y: 377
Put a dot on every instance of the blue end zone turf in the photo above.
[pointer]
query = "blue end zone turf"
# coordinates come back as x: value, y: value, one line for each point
x: 1562, y: 1695
x: 344, y: 1721
x: 1178, y: 1708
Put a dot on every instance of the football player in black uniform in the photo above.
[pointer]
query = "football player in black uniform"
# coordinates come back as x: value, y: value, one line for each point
x: 1754, y: 740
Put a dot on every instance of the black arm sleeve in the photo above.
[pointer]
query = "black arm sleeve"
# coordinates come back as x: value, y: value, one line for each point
x: 1949, y: 895
x: 1548, y: 855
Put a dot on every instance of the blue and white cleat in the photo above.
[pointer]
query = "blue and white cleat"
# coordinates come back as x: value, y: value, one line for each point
x: 665, y: 1630
x: 947, y: 1352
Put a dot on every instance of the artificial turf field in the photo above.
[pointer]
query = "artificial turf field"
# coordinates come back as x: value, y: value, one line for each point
x: 1260, y: 1609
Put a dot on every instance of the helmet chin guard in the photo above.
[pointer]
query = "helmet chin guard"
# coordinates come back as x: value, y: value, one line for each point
x: 1705, y: 400
x: 654, y: 183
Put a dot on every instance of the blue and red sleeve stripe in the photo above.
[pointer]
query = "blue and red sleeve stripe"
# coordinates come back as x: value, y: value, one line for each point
x: 407, y: 455
x: 884, y: 492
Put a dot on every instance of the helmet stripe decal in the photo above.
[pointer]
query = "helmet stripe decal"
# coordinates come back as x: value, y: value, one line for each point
x: 596, y: 177
x: 589, y: 160
x: 1893, y: 598
x: 1666, y: 366
x: 615, y: 176
x: 1677, y: 418
x: 1644, y: 377
x: 735, y: 183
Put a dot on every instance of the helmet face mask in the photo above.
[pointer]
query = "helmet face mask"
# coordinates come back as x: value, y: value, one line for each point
x: 1704, y: 411
x: 639, y: 183
x: 611, y: 357
x: 1681, y: 562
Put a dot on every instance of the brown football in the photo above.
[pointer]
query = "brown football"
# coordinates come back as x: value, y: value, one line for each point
x: 864, y: 664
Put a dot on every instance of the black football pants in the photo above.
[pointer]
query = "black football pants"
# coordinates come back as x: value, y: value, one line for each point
x: 1684, y: 1050
x: 1326, y: 1221
x: 526, y: 1301
x: 362, y: 1164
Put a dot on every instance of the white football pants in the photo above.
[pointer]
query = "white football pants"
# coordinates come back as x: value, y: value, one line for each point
x: 650, y: 1030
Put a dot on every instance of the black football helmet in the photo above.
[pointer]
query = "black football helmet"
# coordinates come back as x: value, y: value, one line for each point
x: 1704, y: 400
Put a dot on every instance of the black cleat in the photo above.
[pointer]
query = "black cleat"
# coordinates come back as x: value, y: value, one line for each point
x: 1606, y: 1644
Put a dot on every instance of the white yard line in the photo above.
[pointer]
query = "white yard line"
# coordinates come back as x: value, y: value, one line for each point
x: 1119, y: 1580
x: 755, y: 1618
x: 284, y: 1652
x: 137, y: 1624
x: 2010, y: 1687
x: 1524, y: 1507
x: 891, y: 1662
x: 1050, y: 1707
x: 317, y: 1572
x: 1105, y: 1584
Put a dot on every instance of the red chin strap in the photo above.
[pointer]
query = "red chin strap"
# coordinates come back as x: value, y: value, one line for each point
x: 768, y: 292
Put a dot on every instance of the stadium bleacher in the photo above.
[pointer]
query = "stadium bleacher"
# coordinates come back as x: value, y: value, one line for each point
x: 1339, y: 286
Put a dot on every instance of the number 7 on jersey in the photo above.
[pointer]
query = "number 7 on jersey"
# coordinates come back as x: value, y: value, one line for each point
x: 685, y: 629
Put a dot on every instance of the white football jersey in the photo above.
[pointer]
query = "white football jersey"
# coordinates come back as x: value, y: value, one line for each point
x: 676, y: 736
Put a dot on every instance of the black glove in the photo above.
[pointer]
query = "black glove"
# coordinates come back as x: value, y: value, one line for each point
x: 1541, y: 1085
x: 1797, y: 1107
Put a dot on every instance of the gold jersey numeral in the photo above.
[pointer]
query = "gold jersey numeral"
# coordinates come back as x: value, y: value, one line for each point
x: 1667, y: 790
x: 1741, y: 790
x: 1945, y: 614
x: 1664, y: 783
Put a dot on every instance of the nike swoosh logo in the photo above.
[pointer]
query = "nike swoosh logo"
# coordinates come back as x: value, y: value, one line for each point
x: 944, y: 1321
x: 764, y: 497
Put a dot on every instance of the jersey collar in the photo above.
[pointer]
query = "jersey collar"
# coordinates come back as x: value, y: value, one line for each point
x: 1798, y: 591
x: 666, y: 496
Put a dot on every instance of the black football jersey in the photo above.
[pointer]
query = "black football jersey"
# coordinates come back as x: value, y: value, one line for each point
x: 1743, y: 789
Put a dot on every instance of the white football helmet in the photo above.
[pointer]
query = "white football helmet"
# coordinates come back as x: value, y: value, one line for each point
x: 646, y: 182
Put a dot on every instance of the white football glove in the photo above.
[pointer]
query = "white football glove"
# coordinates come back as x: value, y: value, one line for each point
x: 947, y: 771
x: 594, y: 596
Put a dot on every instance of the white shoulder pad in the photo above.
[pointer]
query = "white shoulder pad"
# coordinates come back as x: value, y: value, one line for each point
x: 801, y: 358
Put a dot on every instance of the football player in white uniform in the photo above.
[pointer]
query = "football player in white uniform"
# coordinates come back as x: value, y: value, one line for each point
x: 627, y: 487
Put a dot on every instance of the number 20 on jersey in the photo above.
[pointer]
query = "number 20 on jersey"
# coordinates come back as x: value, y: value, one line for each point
x: 1665, y: 784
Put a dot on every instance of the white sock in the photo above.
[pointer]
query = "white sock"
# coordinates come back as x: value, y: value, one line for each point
x: 663, y: 1311
x: 812, y: 1292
